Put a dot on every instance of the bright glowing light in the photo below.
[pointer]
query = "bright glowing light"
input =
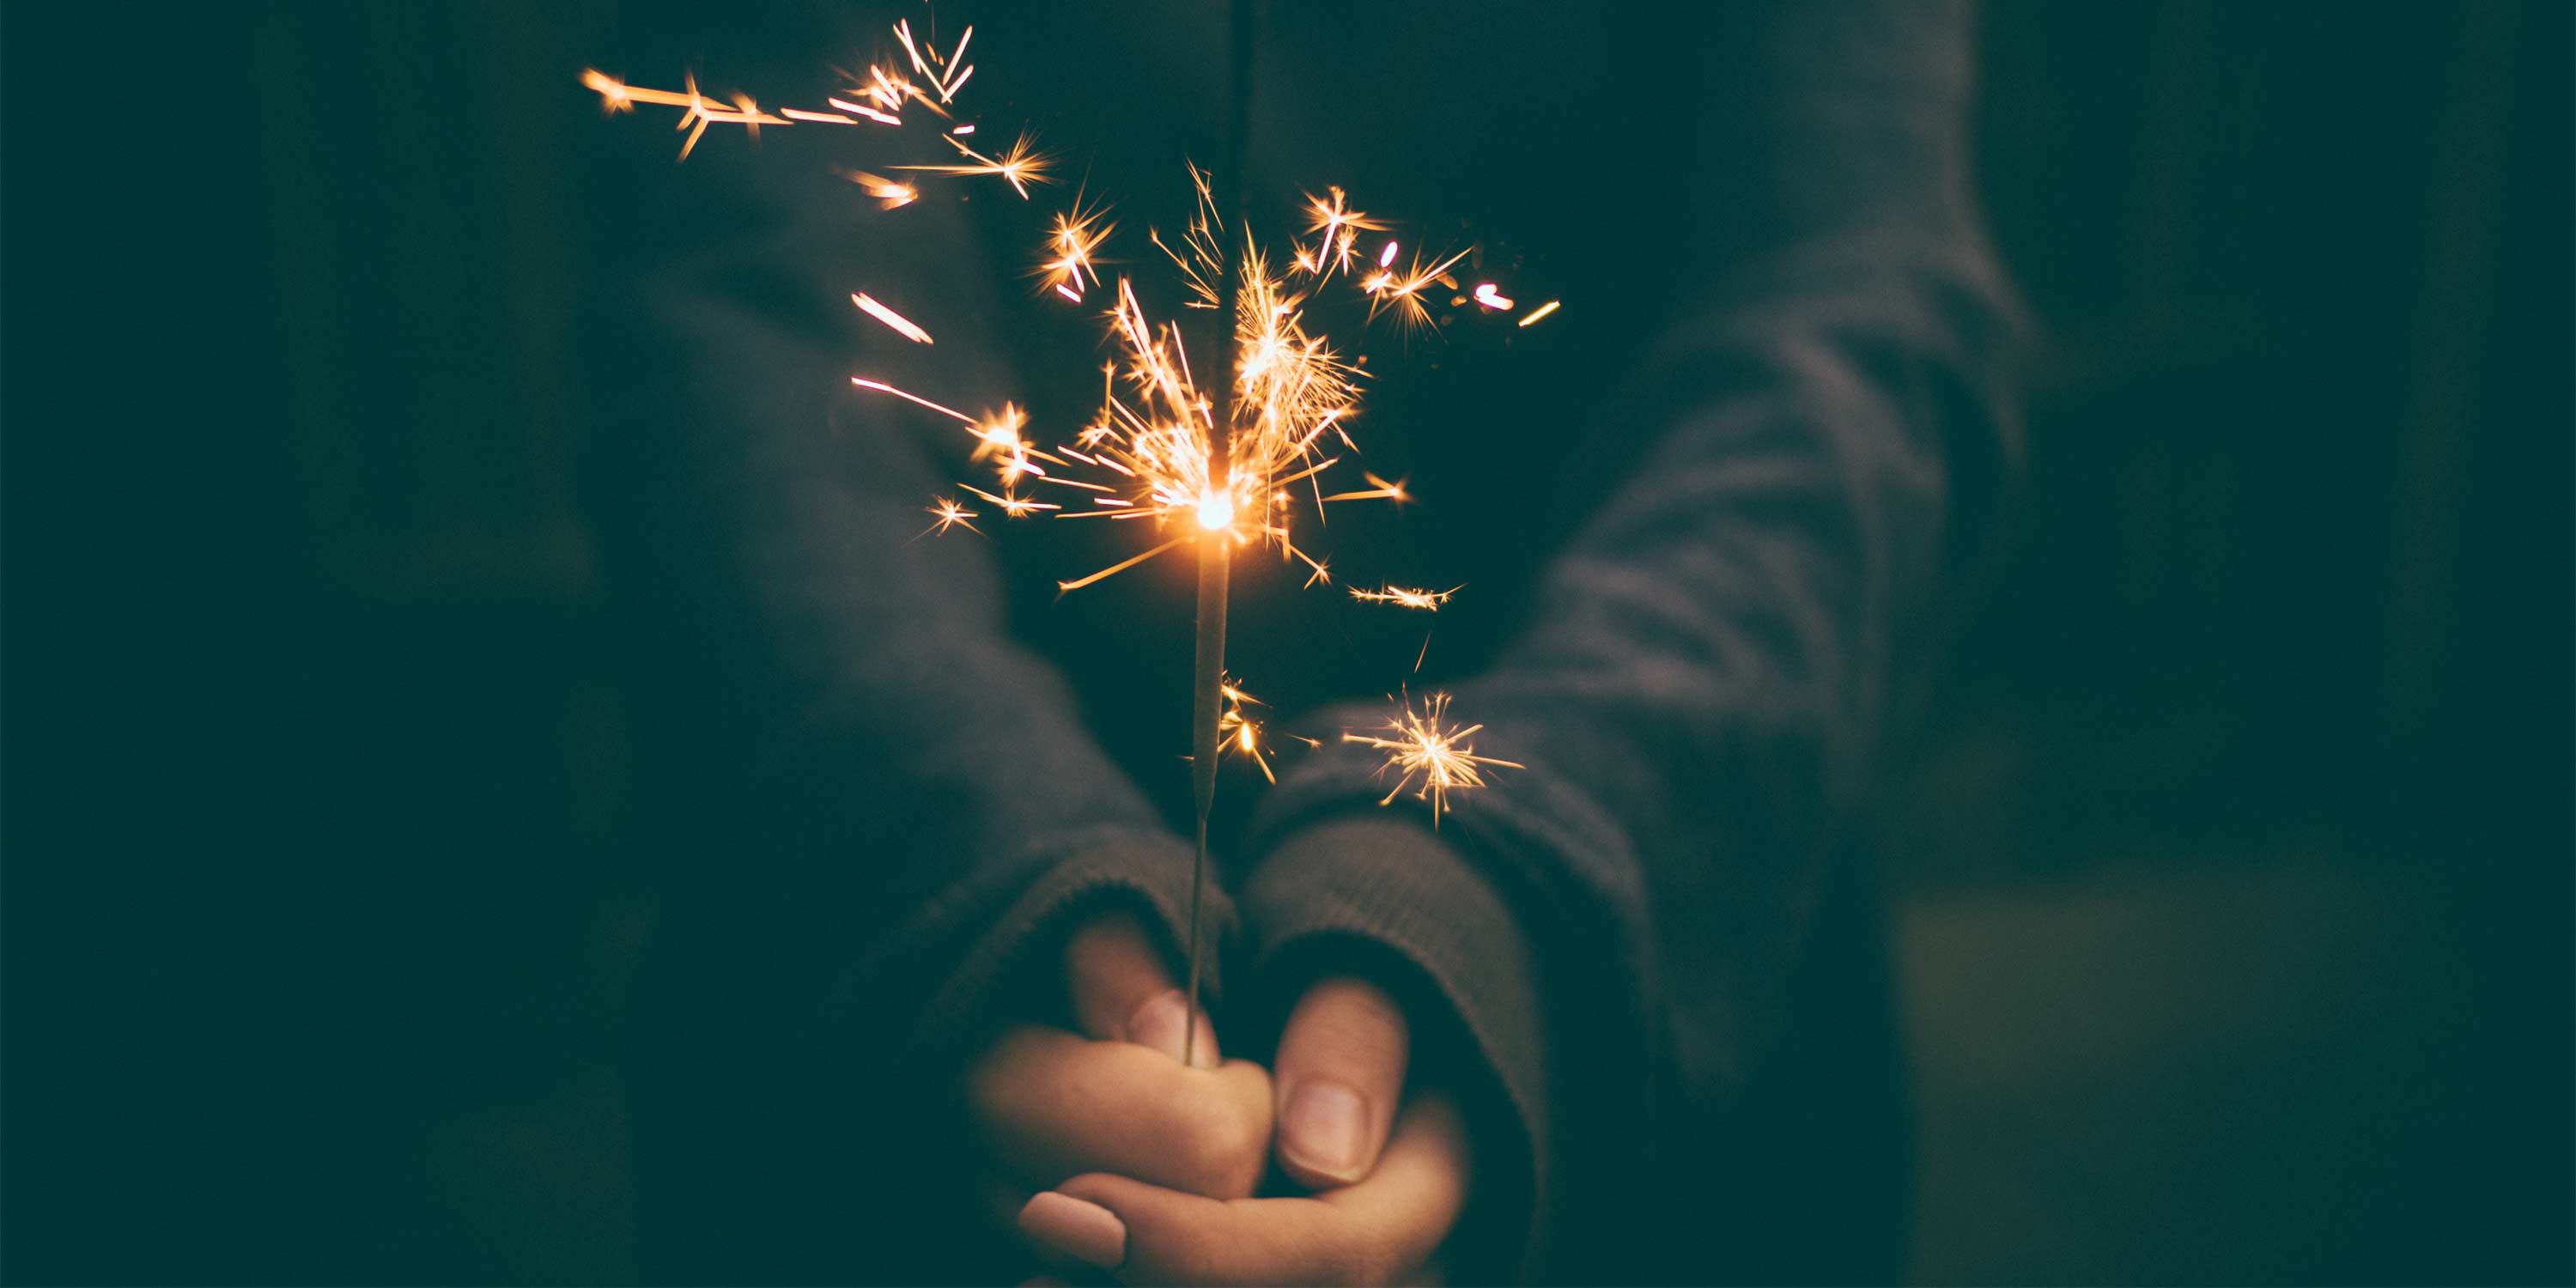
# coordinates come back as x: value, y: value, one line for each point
x: 1540, y: 312
x: 950, y: 515
x: 1431, y: 757
x: 1428, y: 601
x: 886, y: 191
x: 902, y: 325
x: 1216, y: 510
x: 1021, y: 164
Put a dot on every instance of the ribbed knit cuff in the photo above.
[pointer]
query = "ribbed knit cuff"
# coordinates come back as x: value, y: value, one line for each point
x: 1146, y: 872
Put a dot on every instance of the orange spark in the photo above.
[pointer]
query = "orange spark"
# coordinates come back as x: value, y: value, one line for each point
x: 951, y: 515
x: 882, y: 387
x: 1428, y: 601
x: 903, y: 326
x: 1021, y: 164
x: 1427, y: 751
x: 891, y: 193
x: 1073, y: 239
x: 1402, y: 295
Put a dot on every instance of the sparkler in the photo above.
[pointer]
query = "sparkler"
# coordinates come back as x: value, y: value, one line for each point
x: 1224, y: 460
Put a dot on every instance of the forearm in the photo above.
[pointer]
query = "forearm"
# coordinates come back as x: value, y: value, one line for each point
x: 1799, y: 473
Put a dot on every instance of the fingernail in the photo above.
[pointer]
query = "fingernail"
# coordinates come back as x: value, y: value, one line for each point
x: 1162, y: 1021
x: 1086, y: 1232
x: 1326, y: 1128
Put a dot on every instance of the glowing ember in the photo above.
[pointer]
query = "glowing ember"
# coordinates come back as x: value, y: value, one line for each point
x: 1432, y: 759
x: 902, y: 325
x: 1428, y: 601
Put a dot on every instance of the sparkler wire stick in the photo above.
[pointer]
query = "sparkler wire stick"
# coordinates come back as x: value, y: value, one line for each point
x: 1215, y: 538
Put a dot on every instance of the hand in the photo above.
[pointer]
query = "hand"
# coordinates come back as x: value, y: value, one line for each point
x: 1385, y: 1206
x: 1051, y: 1103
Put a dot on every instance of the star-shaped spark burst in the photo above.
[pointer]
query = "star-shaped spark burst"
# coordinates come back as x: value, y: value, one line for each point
x: 1073, y: 238
x: 1337, y: 229
x: 950, y: 515
x: 1240, y: 734
x: 1432, y: 759
x: 1021, y: 163
x: 1401, y: 293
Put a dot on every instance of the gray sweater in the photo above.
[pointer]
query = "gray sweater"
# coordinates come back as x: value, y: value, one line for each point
x: 1714, y: 527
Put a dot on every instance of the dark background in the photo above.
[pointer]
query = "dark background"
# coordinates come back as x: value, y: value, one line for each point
x: 2234, y: 863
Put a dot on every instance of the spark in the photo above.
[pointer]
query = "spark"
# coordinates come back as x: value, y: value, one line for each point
x: 950, y: 515
x: 882, y: 387
x: 1237, y: 731
x: 1378, y: 490
x: 873, y: 114
x: 1018, y: 507
x: 1074, y: 237
x: 1152, y: 440
x: 1428, y: 601
x: 1540, y: 312
x: 1402, y: 293
x: 1148, y: 453
x: 1156, y: 451
x: 1021, y: 163
x: 888, y: 192
x: 1337, y: 228
x: 1433, y: 758
x: 902, y: 325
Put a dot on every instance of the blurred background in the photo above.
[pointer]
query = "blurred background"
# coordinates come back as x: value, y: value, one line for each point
x: 2235, y: 856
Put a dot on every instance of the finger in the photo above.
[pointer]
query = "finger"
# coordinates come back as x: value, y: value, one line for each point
x: 1054, y: 1104
x: 1123, y: 990
x: 1340, y: 1073
x: 1382, y: 1230
x: 1406, y: 1208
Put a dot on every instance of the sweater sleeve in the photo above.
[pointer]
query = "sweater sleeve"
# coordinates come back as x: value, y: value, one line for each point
x: 1812, y: 453
x: 914, y: 807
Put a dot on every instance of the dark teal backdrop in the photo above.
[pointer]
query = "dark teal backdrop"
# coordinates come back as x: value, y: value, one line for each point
x: 2236, y: 896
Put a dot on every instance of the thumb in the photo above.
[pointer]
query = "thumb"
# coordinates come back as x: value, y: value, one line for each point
x: 1123, y: 991
x: 1340, y: 1071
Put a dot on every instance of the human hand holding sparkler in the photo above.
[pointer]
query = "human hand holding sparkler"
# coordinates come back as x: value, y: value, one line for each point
x: 1112, y: 1093
x: 1388, y: 1224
